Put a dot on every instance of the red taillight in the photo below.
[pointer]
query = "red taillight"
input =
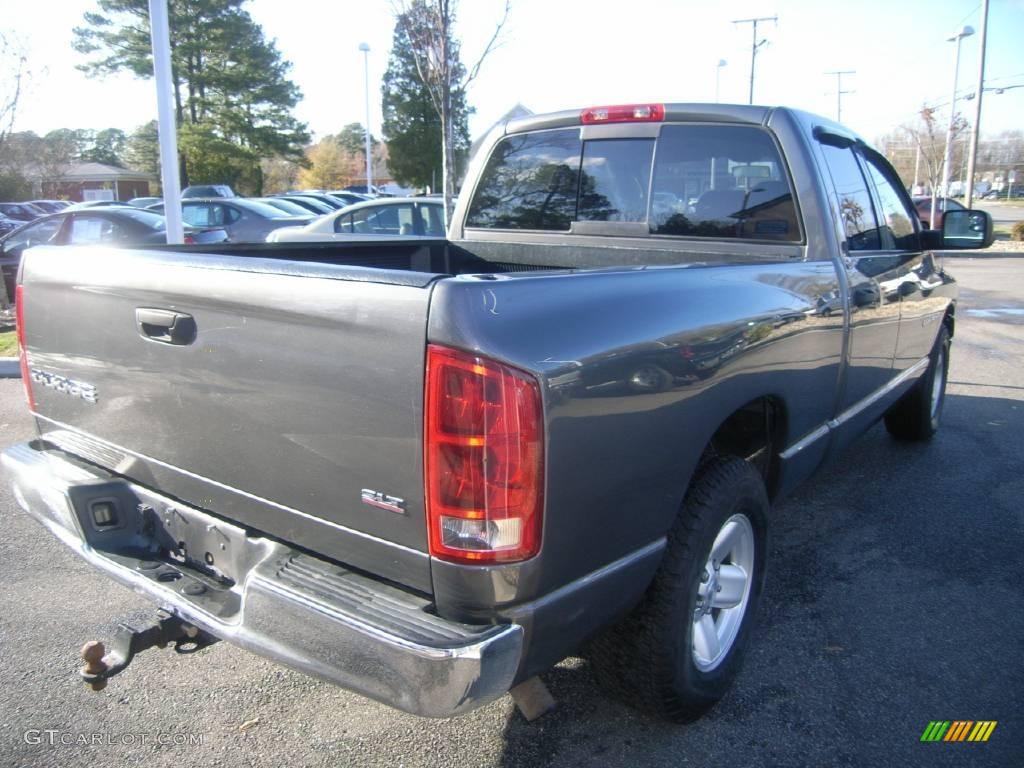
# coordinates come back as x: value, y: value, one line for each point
x: 19, y: 319
x: 189, y: 240
x: 624, y: 113
x: 484, y: 455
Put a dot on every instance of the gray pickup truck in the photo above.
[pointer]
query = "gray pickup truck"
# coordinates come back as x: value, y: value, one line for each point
x: 427, y: 470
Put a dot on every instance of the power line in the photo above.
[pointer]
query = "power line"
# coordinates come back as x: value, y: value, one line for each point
x: 755, y: 45
x: 839, y: 90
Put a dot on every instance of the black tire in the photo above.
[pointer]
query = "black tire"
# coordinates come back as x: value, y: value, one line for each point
x: 917, y: 414
x: 648, y: 658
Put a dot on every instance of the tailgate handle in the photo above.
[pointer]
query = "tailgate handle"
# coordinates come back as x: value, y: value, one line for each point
x: 166, y: 326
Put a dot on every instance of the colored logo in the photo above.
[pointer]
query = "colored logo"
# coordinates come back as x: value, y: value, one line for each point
x: 959, y: 730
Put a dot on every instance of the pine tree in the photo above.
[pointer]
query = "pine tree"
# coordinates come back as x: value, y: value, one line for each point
x: 429, y: 29
x: 412, y: 123
x: 231, y: 88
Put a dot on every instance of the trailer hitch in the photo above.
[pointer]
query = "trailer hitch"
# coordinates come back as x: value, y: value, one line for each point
x: 101, y: 665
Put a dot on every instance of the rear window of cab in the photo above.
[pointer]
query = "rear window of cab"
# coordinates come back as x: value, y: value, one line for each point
x: 710, y: 181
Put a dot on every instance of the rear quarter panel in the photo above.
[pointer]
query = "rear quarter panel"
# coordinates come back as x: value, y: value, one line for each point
x: 619, y: 456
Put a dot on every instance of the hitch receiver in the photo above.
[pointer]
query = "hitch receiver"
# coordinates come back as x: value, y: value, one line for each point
x: 100, y: 665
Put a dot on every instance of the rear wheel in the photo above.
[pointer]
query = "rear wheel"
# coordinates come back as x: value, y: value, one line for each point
x: 680, y: 649
x: 916, y: 415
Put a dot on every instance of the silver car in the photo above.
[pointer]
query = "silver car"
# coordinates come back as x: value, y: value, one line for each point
x: 246, y: 221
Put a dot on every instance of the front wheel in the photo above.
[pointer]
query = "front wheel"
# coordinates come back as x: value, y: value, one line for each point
x: 916, y: 415
x: 678, y: 652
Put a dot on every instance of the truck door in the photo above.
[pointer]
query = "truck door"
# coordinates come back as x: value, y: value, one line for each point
x: 873, y: 272
x: 922, y: 306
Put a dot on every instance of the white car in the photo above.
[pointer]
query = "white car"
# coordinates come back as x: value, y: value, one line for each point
x: 401, y: 216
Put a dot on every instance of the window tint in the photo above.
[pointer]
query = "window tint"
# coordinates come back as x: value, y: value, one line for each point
x: 344, y: 223
x: 616, y: 176
x: 94, y: 229
x: 37, y: 234
x: 855, y: 206
x: 721, y: 181
x: 379, y: 220
x: 433, y: 220
x: 148, y: 219
x: 530, y: 182
x: 897, y: 227
x: 200, y: 214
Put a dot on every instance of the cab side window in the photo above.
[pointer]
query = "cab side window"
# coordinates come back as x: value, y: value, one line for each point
x: 895, y: 218
x: 855, y: 206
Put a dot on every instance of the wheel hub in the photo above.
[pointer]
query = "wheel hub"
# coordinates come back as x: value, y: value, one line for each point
x: 723, y: 593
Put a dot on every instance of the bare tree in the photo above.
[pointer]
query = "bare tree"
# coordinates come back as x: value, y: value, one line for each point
x: 14, y: 65
x: 930, y: 140
x: 435, y: 50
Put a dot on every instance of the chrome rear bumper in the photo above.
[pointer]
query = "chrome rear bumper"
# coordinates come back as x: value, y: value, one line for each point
x: 309, y: 614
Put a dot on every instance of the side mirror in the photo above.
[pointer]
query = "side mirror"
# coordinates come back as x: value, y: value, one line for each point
x: 967, y: 229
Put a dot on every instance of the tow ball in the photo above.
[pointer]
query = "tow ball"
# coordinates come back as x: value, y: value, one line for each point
x: 101, y: 665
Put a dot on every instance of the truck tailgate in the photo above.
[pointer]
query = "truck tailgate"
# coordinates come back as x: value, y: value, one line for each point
x: 294, y: 406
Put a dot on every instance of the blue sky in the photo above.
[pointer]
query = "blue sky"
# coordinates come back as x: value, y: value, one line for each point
x: 558, y: 54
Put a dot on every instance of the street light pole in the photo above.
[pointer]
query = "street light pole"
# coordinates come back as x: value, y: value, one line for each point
x: 369, y: 148
x: 166, y: 128
x: 754, y: 46
x: 947, y: 160
x: 718, y: 74
x: 973, y: 153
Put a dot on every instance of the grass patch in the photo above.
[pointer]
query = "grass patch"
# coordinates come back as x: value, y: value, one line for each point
x: 1001, y: 231
x: 9, y: 344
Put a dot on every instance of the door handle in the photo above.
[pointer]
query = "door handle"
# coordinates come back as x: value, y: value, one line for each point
x: 165, y: 326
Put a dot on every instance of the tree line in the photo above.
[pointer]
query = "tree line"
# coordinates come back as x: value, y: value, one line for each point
x: 234, y: 103
x: 917, y: 150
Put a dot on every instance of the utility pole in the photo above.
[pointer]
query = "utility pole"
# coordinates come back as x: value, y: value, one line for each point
x: 973, y: 152
x: 958, y: 38
x: 369, y: 145
x: 755, y: 45
x: 839, y: 90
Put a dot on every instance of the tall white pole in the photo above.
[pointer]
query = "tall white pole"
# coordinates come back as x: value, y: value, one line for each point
x: 169, y: 178
x: 973, y: 154
x: 947, y: 159
x: 369, y: 147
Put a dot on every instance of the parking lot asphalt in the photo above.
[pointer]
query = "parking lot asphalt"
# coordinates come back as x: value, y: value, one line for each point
x: 894, y: 598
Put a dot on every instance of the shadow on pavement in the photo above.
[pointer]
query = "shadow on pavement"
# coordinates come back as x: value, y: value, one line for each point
x: 893, y: 599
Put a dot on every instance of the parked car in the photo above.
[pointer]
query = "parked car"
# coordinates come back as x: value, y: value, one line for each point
x: 371, y: 191
x: 349, y: 198
x: 332, y: 202
x: 90, y: 204
x: 288, y: 205
x: 145, y: 202
x: 407, y: 216
x: 245, y: 220
x: 943, y: 204
x: 8, y: 224
x: 50, y: 206
x: 310, y: 204
x: 119, y: 226
x: 21, y: 211
x: 428, y: 470
x: 205, y: 191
